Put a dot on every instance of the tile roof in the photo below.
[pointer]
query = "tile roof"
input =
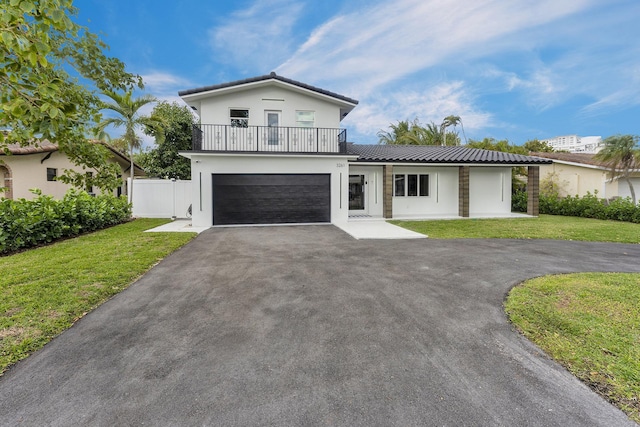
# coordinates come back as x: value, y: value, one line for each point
x: 438, y: 154
x: 272, y: 76
x: 587, y: 159
x: 46, y: 146
x: 41, y: 147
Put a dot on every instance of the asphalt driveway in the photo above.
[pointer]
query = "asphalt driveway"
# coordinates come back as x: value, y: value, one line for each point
x: 306, y: 326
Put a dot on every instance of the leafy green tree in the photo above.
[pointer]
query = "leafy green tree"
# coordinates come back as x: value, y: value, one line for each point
x: 127, y: 116
x: 622, y: 155
x: 43, y: 56
x: 164, y: 161
x: 413, y: 133
x: 536, y: 146
x: 494, y: 145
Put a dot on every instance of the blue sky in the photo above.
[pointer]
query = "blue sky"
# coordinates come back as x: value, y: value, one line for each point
x: 511, y: 69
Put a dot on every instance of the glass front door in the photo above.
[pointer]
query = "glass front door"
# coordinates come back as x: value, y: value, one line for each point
x: 356, y: 192
x: 273, y: 122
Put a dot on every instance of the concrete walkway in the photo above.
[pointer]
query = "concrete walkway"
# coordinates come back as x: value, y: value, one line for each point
x: 377, y: 229
x: 361, y: 229
x: 306, y: 326
x: 178, y: 226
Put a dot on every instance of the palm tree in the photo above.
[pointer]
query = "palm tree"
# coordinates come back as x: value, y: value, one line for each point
x: 397, y: 135
x: 449, y: 121
x: 128, y: 117
x: 413, y: 133
x: 622, y: 156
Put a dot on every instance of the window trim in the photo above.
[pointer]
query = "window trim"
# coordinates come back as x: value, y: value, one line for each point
x: 241, y: 122
x: 301, y: 123
x: 405, y: 178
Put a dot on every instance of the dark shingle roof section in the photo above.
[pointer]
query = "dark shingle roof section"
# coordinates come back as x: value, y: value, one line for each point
x: 272, y: 76
x: 438, y: 154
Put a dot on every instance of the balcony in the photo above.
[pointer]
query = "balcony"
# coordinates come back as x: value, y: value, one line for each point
x: 269, y: 139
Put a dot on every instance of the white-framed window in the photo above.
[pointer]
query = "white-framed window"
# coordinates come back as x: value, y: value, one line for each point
x: 411, y: 185
x: 239, y: 117
x: 305, y: 118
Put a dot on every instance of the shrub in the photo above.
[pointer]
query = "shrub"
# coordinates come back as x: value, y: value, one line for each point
x: 519, y: 201
x: 589, y: 206
x: 26, y: 223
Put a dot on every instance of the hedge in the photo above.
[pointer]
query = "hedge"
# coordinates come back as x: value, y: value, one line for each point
x: 27, y: 223
x: 589, y: 206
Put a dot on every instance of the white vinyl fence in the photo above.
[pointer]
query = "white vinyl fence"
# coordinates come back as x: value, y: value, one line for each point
x: 161, y: 198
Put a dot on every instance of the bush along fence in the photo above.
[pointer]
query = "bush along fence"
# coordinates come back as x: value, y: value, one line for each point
x: 26, y: 223
x: 589, y: 206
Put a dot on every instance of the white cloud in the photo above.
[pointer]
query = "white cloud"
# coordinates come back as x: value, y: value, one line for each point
x: 430, y: 104
x: 392, y: 40
x: 162, y: 82
x: 257, y: 36
x: 616, y: 100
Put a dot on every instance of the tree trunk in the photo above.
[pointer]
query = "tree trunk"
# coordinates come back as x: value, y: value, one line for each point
x: 131, y: 174
x: 631, y: 189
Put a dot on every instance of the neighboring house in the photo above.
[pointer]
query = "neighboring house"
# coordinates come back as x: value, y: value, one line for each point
x: 578, y: 174
x: 270, y: 150
x: 575, y: 143
x: 38, y: 167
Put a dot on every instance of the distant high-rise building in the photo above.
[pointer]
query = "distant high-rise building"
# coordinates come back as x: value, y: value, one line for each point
x: 575, y: 143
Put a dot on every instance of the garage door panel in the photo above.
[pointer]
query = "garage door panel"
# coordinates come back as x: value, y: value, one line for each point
x: 271, y: 198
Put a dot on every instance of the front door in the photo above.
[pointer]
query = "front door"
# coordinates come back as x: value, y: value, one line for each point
x: 357, y: 185
x: 272, y: 119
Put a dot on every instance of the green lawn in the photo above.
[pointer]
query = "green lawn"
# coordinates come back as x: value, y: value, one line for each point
x: 590, y: 323
x: 43, y: 291
x: 543, y: 227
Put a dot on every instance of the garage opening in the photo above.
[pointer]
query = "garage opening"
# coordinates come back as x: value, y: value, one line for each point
x: 271, y: 198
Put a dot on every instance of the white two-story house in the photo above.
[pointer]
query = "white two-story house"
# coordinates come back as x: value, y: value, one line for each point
x: 270, y: 150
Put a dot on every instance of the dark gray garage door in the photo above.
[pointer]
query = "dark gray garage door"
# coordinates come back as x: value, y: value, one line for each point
x: 271, y: 198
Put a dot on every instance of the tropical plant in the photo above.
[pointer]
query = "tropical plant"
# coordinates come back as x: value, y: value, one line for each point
x: 536, y: 146
x: 44, y: 55
x: 127, y: 109
x: 621, y: 155
x: 413, y: 133
x: 449, y: 121
x: 163, y: 160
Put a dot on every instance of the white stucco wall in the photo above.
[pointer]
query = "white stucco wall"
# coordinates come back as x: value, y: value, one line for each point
x: 30, y: 171
x: 624, y: 191
x: 443, y: 193
x: 215, y: 110
x: 489, y: 190
x: 576, y: 180
x: 204, y: 165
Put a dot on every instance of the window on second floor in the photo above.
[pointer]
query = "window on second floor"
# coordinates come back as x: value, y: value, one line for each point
x: 52, y: 173
x: 305, y: 119
x: 239, y: 118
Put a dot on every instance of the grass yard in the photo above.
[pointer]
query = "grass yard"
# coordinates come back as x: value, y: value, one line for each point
x: 43, y: 291
x: 590, y: 323
x: 543, y: 227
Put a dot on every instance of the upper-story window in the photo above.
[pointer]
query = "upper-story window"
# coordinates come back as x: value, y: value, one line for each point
x: 239, y: 118
x: 305, y: 119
